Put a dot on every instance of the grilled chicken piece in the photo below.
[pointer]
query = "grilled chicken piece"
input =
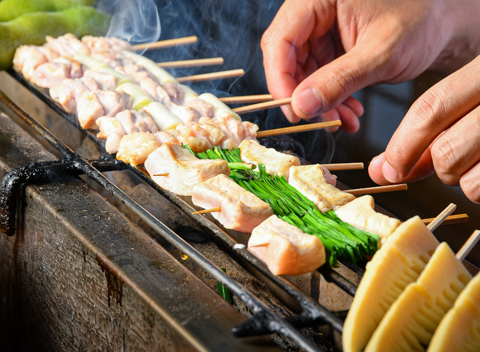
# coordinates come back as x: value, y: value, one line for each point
x: 104, y: 80
x: 286, y: 249
x: 360, y: 213
x: 317, y: 184
x: 69, y: 91
x: 102, y: 44
x: 136, y: 147
x: 67, y: 45
x: 174, y: 91
x: 413, y: 318
x: 28, y: 57
x: 184, y: 170
x: 125, y: 122
x: 241, y: 210
x: 51, y: 74
x: 276, y: 163
x: 93, y: 105
x: 201, y: 106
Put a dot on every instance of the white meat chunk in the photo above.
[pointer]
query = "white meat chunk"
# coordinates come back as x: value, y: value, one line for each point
x: 111, y: 129
x: 28, y: 57
x: 67, y: 45
x: 102, y: 44
x: 134, y: 148
x: 314, y: 182
x: 361, y: 214
x: 276, y: 163
x: 241, y: 210
x: 104, y: 80
x: 174, y: 91
x: 182, y: 170
x: 286, y: 249
x: 69, y: 91
x: 201, y: 106
x: 51, y: 74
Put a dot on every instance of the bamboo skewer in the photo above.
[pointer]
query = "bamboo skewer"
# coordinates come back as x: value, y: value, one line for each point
x: 452, y: 219
x: 300, y: 128
x: 247, y: 99
x: 166, y: 43
x: 343, y: 166
x: 263, y: 106
x: 441, y: 217
x: 207, y: 211
x: 210, y: 76
x: 192, y: 63
x: 468, y: 246
x: 379, y: 189
x: 165, y: 174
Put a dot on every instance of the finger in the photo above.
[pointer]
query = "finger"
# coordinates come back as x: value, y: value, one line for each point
x: 422, y: 169
x: 458, y: 149
x: 336, y: 81
x: 350, y: 122
x: 436, y: 110
x: 470, y: 182
x: 355, y: 105
x: 290, y: 29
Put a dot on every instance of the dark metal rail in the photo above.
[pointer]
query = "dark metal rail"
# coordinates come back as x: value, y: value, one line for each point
x: 263, y: 321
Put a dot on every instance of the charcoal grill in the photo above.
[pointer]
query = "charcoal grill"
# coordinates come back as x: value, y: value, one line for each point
x: 124, y: 291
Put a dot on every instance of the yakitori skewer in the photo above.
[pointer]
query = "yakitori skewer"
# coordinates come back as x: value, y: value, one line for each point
x: 452, y: 219
x: 166, y: 43
x: 247, y: 99
x: 299, y: 128
x: 441, y: 217
x: 378, y: 189
x: 263, y: 106
x: 192, y: 63
x: 343, y: 166
x: 210, y: 76
x: 468, y: 246
x: 208, y: 211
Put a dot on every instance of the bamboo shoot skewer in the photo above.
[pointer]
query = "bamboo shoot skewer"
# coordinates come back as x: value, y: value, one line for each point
x: 166, y: 43
x: 441, y: 217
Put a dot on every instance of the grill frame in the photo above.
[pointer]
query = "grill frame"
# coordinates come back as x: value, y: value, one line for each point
x: 312, y: 313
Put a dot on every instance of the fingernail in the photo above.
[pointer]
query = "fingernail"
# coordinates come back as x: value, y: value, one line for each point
x: 310, y: 101
x: 389, y: 173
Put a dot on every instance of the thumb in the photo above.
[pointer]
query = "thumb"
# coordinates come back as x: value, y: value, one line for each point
x: 333, y: 83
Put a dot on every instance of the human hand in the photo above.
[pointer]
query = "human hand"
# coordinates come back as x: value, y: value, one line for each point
x: 440, y: 133
x: 320, y: 52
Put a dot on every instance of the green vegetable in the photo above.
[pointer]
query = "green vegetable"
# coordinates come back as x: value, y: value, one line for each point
x: 11, y: 9
x: 341, y: 240
x: 223, y: 291
x: 33, y: 27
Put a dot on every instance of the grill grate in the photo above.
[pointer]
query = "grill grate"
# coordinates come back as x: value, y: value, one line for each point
x: 264, y: 321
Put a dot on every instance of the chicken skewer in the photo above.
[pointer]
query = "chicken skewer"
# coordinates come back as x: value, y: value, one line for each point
x: 162, y: 44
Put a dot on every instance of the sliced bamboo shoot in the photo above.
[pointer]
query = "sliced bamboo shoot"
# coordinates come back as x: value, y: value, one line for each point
x: 413, y: 318
x: 398, y: 263
x: 459, y: 330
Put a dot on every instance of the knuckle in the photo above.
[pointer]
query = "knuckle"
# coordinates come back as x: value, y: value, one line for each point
x: 427, y: 108
x: 342, y: 78
x: 445, y: 160
x: 471, y: 188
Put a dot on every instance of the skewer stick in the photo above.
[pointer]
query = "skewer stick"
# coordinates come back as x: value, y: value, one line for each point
x: 379, y: 189
x: 207, y: 211
x: 165, y: 174
x: 263, y: 106
x: 166, y: 43
x: 247, y: 99
x: 192, y: 63
x: 211, y: 76
x: 441, y: 217
x: 468, y: 246
x: 300, y: 128
x: 452, y: 219
x: 343, y: 166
